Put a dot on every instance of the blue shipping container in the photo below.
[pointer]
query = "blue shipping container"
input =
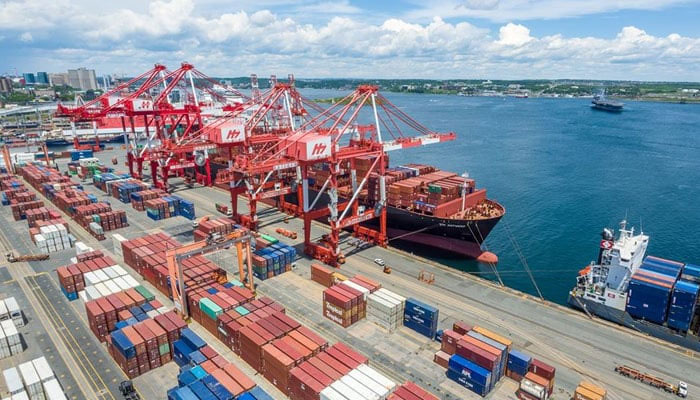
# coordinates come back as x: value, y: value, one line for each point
x: 198, y: 372
x: 648, y: 301
x: 185, y: 378
x: 416, y: 307
x: 519, y: 360
x: 503, y: 357
x: 682, y: 308
x: 219, y: 391
x: 661, y: 269
x: 197, y: 357
x: 181, y: 352
x: 192, y: 339
x: 470, y: 370
x: 464, y: 380
x: 259, y: 394
x: 691, y: 273
x: 201, y: 390
x: 182, y: 393
x: 122, y: 344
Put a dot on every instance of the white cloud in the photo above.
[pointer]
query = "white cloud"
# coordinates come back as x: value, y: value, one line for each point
x: 330, y: 7
x: 239, y: 42
x: 514, y: 35
x: 509, y: 10
x: 26, y: 37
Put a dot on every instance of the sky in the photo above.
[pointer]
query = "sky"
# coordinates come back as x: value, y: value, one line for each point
x: 657, y: 40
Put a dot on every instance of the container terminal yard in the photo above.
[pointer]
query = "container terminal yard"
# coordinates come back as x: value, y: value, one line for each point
x: 311, y: 327
x: 579, y: 349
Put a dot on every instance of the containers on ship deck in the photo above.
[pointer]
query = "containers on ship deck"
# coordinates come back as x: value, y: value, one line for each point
x: 648, y: 295
x: 691, y: 273
x: 421, y: 317
x: 683, y: 303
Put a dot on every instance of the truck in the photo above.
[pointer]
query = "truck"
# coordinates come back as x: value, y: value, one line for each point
x: 12, y: 257
x: 680, y: 390
x: 223, y: 208
x: 589, y: 391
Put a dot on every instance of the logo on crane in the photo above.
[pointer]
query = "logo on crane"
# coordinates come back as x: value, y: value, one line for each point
x: 233, y: 134
x: 319, y: 148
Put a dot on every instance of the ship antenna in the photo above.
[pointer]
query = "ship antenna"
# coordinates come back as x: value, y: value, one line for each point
x: 641, y: 230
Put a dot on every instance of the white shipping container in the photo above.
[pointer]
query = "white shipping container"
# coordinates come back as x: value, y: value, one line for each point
x: 83, y: 295
x: 365, y: 292
x: 117, y: 240
x: 11, y: 332
x: 90, y: 278
x: 347, y: 392
x: 32, y: 383
x: 20, y: 396
x: 13, y: 381
x: 131, y: 281
x: 111, y: 273
x: 112, y: 286
x: 4, y: 346
x: 119, y: 270
x: 121, y: 282
x: 103, y: 289
x: 53, y: 390
x: 152, y: 314
x: 357, y: 386
x: 43, y: 369
x: 533, y: 389
x: 92, y: 293
x: 331, y: 394
x: 82, y: 248
x: 368, y: 382
x: 101, y: 275
x: 377, y: 377
x: 3, y: 311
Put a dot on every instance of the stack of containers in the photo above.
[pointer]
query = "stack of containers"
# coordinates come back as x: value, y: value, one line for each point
x: 148, y: 344
x: 138, y: 198
x: 691, y: 273
x: 469, y: 375
x: 538, y: 382
x: 123, y: 189
x: 222, y: 226
x: 32, y: 383
x: 230, y: 323
x: 53, y: 238
x: 10, y: 340
x: 498, y: 343
x: 19, y: 210
x: 648, y: 295
x: 344, y: 304
x: 339, y: 372
x: 211, y: 376
x: 13, y: 381
x: 10, y: 310
x: 588, y: 391
x: 76, y: 155
x: 421, y: 317
x: 411, y: 391
x: 386, y: 309
x: 273, y: 260
x: 683, y: 303
x: 120, y: 310
x: 322, y: 275
x: 518, y: 365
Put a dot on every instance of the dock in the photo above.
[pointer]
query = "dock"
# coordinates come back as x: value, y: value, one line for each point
x: 578, y: 346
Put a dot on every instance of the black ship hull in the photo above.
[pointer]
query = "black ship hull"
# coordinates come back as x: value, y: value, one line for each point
x: 613, y: 108
x: 462, y: 237
x: 621, y: 317
x: 91, y: 141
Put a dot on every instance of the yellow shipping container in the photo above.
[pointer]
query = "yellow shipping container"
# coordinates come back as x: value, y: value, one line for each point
x: 582, y: 393
x: 339, y: 277
x: 594, y: 388
x: 494, y: 336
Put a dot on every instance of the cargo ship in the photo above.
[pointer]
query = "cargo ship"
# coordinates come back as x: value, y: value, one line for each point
x: 600, y: 102
x: 425, y: 205
x: 652, y: 295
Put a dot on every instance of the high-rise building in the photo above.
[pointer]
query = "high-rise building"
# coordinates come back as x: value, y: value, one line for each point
x: 29, y: 78
x: 59, y: 79
x: 42, y: 78
x: 5, y: 84
x: 82, y: 78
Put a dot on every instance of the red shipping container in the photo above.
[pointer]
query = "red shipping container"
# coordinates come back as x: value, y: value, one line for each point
x: 477, y: 355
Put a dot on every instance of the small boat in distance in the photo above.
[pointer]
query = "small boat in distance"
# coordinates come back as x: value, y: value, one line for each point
x: 600, y: 102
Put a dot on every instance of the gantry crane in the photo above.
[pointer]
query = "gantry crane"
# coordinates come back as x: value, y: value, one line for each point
x: 240, y: 238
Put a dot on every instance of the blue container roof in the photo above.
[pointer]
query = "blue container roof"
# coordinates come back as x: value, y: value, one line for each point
x: 692, y: 270
x: 184, y: 393
x: 520, y: 356
x: 463, y: 363
x: 198, y: 372
x: 421, y: 304
x: 666, y: 263
x: 191, y: 337
x: 201, y: 390
x: 687, y: 287
x: 259, y: 394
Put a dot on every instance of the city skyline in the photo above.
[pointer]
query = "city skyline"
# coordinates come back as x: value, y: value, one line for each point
x: 469, y: 39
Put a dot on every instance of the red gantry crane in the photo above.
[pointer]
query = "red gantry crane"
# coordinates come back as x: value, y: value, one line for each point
x: 332, y: 141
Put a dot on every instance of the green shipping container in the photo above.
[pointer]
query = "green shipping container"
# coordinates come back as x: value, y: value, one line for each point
x: 242, y: 311
x: 236, y: 282
x: 145, y: 293
x: 210, y: 308
x: 164, y: 349
x: 269, y: 239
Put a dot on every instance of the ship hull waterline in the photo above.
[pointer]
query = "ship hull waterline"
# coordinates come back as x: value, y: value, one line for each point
x: 621, y: 317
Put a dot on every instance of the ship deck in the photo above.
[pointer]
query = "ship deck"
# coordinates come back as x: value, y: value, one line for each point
x: 580, y: 348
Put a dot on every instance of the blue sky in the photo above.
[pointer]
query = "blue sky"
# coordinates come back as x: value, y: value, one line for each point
x: 496, y: 39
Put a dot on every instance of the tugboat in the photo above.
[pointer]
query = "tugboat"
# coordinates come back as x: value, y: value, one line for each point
x: 600, y: 102
x: 649, y: 294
